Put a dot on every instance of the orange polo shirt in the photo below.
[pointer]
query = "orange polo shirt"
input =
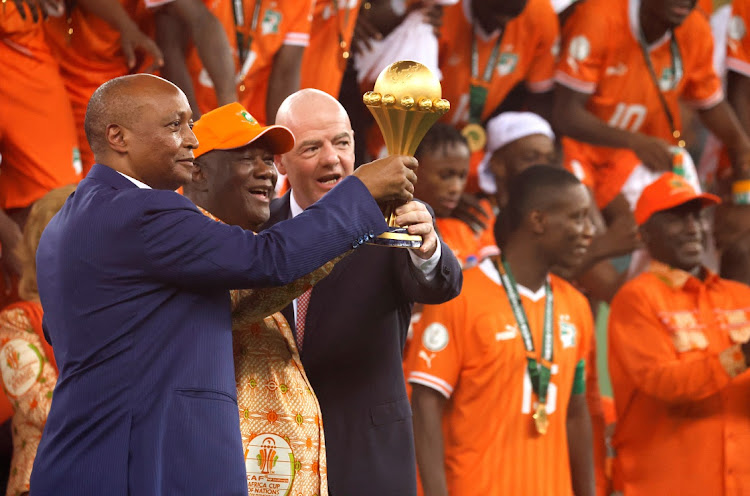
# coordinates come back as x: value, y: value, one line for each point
x: 603, y: 59
x: 323, y: 64
x: 681, y: 392
x: 470, y: 351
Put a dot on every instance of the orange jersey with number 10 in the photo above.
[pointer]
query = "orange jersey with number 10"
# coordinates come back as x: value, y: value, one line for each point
x: 470, y: 350
x: 604, y: 60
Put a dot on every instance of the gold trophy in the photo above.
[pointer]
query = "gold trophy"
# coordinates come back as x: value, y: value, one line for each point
x: 406, y: 102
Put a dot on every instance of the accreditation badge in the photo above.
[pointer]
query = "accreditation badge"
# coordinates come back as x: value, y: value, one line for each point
x: 475, y: 136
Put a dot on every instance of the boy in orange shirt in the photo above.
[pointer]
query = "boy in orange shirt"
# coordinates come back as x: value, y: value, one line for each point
x: 678, y: 355
x: 514, y: 418
x: 443, y: 158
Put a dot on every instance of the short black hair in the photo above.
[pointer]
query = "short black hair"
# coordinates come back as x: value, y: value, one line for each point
x: 438, y: 137
x: 533, y: 188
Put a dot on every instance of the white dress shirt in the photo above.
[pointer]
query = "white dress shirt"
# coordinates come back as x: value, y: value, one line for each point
x: 428, y: 267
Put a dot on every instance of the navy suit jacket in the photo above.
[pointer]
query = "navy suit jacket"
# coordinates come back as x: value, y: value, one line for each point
x: 134, y: 284
x: 355, y: 330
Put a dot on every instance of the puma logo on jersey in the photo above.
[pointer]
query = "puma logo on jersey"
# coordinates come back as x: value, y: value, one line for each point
x: 427, y: 358
x: 616, y: 70
x: 510, y: 332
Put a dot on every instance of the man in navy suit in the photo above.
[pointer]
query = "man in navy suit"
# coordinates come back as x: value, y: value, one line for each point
x: 134, y: 282
x: 354, y: 328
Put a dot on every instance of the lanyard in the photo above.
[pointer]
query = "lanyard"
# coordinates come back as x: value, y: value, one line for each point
x: 243, y: 47
x: 540, y: 372
x: 479, y: 88
x: 345, y: 54
x: 676, y: 63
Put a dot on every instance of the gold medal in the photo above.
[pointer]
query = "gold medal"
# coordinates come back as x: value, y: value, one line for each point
x: 541, y: 421
x: 475, y: 135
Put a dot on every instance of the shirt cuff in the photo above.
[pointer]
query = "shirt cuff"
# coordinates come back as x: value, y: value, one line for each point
x: 429, y: 266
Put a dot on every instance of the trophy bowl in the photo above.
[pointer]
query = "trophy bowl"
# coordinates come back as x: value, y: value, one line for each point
x: 405, y: 102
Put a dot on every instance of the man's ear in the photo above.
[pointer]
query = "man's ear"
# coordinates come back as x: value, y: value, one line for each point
x: 116, y: 138
x: 198, y: 176
x: 538, y: 219
x: 277, y: 159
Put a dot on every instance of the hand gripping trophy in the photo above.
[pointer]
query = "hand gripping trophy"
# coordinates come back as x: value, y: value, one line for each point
x: 405, y: 102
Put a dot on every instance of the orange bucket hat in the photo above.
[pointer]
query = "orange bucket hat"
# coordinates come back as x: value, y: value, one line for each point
x: 669, y: 191
x: 231, y: 126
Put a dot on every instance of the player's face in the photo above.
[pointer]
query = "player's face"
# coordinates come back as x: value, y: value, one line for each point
x: 442, y: 177
x: 323, y: 155
x: 161, y: 141
x: 496, y: 14
x: 672, y: 12
x: 568, y: 227
x: 677, y: 236
x: 514, y: 158
x: 240, y: 183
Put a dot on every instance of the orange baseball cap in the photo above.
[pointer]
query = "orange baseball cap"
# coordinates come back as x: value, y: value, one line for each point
x: 669, y: 191
x: 231, y: 126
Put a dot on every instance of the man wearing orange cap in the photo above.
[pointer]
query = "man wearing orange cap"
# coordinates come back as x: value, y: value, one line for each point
x: 233, y: 178
x: 678, y: 353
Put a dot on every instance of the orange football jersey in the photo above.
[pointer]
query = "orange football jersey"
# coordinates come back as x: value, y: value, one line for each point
x: 88, y: 57
x: 38, y: 145
x: 280, y: 22
x: 470, y: 350
x: 527, y: 53
x: 601, y: 57
x: 468, y: 247
x: 738, y: 39
x: 323, y: 64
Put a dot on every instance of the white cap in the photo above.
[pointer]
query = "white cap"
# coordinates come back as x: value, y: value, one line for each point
x: 507, y: 128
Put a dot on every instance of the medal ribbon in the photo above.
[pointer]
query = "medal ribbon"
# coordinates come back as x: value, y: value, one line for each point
x: 540, y: 371
x: 238, y: 9
x: 345, y: 54
x: 677, y: 70
x: 479, y: 88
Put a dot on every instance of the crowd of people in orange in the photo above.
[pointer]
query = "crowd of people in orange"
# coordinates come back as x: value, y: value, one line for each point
x: 596, y: 158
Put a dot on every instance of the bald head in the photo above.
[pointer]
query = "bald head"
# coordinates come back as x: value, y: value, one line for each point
x: 120, y: 101
x: 301, y: 108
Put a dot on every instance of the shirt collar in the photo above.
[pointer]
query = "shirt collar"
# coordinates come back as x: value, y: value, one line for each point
x: 134, y: 181
x: 294, y: 207
x: 678, y: 278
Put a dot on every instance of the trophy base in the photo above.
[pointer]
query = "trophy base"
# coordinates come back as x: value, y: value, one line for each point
x: 397, y: 237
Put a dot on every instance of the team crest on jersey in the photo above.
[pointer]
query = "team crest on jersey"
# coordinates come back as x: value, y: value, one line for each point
x: 435, y: 337
x: 507, y: 63
x: 271, y: 22
x: 578, y: 51
x: 568, y: 331
x: 668, y: 81
x: 736, y: 29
